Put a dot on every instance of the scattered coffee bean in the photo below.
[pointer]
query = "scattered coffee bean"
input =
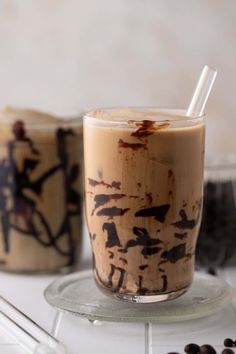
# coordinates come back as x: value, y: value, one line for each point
x: 207, y: 349
x: 191, y: 348
x: 228, y: 342
x: 227, y: 351
x: 212, y: 271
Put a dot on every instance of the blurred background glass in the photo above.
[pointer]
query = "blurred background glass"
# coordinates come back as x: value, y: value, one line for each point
x: 217, y: 240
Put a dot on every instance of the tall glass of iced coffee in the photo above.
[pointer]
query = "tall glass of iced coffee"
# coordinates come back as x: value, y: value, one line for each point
x: 144, y: 189
x: 40, y: 191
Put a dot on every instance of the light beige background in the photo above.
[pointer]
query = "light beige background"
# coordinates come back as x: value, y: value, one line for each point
x: 66, y: 55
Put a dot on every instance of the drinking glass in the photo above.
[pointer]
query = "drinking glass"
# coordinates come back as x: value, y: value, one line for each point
x: 40, y: 191
x: 143, y: 191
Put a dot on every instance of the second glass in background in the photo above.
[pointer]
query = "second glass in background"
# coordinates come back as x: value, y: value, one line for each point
x: 40, y: 191
x: 216, y: 245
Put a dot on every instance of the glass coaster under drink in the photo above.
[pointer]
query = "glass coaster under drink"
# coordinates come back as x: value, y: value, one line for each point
x: 78, y: 294
x: 216, y: 245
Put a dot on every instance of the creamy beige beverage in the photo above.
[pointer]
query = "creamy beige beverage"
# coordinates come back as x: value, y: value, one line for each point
x: 143, y: 186
x: 40, y: 191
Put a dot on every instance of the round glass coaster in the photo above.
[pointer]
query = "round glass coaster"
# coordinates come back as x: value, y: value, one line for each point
x: 78, y: 294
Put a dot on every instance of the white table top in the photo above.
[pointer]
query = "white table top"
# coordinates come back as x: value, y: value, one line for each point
x: 80, y: 336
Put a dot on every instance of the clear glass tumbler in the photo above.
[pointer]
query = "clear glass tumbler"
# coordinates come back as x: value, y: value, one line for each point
x: 216, y: 245
x: 144, y: 189
x: 41, y: 159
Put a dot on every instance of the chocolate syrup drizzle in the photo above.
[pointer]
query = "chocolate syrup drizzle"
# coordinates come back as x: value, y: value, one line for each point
x: 143, y: 239
x: 159, y: 212
x: 101, y: 199
x: 140, y: 237
x: 147, y: 127
x: 133, y: 146
x: 112, y: 238
x: 185, y: 223
x: 113, y: 211
x: 95, y: 183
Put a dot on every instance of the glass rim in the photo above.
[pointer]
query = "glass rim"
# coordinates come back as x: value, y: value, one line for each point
x: 41, y: 120
x: 220, y: 167
x: 123, y: 115
x: 224, y: 163
x: 59, y: 123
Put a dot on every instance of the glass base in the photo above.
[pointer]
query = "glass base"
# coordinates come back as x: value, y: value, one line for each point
x: 78, y: 294
x: 148, y: 299
x: 51, y: 271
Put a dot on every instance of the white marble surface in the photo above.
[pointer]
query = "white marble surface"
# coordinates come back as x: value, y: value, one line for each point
x: 80, y: 336
x: 64, y: 56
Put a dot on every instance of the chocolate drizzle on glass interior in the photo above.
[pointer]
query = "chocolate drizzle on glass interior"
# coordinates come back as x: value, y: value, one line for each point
x: 40, y: 191
x: 143, y: 188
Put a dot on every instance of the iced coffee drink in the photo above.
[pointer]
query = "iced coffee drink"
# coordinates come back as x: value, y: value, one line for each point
x: 143, y: 187
x: 40, y: 191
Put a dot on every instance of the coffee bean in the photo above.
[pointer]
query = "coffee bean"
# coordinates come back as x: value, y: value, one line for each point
x: 191, y: 348
x: 227, y: 351
x: 207, y: 349
x: 228, y: 342
x: 212, y: 271
x: 173, y: 353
